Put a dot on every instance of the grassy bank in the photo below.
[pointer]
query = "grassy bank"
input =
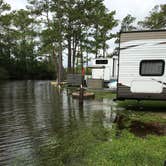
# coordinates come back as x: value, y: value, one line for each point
x: 99, y: 146
x: 99, y: 94
x: 95, y: 145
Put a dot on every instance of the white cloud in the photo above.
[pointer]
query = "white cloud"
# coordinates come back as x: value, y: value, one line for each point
x: 17, y: 4
x: 137, y: 8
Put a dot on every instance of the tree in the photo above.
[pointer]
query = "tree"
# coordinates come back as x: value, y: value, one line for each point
x: 127, y: 23
x: 49, y: 14
x: 20, y: 56
x: 5, y: 21
x: 87, y: 28
x: 24, y: 49
x: 4, y: 7
x: 80, y: 27
x: 156, y: 18
x: 108, y: 22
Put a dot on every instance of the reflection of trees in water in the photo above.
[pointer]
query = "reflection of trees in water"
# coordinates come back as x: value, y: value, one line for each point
x: 93, y: 111
x: 23, y: 119
x: 14, y: 129
x: 110, y: 112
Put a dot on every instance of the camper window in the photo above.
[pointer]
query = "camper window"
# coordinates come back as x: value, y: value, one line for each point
x: 101, y: 61
x: 152, y: 67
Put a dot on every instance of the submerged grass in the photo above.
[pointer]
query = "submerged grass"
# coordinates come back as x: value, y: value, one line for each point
x: 99, y: 94
x: 144, y: 111
x: 100, y: 146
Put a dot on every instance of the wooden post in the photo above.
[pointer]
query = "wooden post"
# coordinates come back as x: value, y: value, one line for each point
x: 81, y: 97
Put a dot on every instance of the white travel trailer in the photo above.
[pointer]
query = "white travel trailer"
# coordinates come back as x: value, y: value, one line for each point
x: 142, y: 71
x: 105, y: 68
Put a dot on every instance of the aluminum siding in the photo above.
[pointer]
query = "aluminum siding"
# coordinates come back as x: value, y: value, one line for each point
x: 129, y: 62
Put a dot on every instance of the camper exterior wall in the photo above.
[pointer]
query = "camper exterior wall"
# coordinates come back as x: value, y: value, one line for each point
x: 134, y: 48
x: 99, y: 73
x: 109, y: 71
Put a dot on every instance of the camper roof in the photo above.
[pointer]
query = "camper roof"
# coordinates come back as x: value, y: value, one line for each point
x: 139, y: 31
x: 142, y: 35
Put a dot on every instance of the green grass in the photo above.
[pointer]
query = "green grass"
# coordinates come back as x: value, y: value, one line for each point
x: 99, y: 146
x: 145, y: 111
x: 129, y: 150
x: 143, y: 103
x: 102, y: 94
x: 149, y: 117
x: 99, y: 94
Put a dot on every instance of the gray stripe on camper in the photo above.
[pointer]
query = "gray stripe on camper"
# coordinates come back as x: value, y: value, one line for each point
x: 125, y: 93
x: 124, y: 48
x: 164, y: 83
x: 161, y: 43
x: 125, y: 37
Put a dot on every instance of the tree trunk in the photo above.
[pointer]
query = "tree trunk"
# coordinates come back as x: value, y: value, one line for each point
x: 75, y: 43
x: 69, y: 54
x: 60, y: 63
x: 60, y: 48
x: 87, y: 61
x: 104, y: 45
x: 96, y: 36
x: 104, y: 49
x: 54, y: 58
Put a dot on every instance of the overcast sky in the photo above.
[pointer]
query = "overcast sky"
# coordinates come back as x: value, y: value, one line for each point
x: 137, y: 8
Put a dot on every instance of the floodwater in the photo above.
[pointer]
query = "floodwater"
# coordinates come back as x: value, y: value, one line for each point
x: 31, y: 112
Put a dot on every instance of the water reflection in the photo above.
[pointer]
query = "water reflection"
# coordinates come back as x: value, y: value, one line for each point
x: 33, y: 111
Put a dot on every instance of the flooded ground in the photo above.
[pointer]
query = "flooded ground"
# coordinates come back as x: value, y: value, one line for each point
x: 41, y: 126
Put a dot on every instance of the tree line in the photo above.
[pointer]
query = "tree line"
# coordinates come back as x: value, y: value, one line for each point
x: 35, y: 41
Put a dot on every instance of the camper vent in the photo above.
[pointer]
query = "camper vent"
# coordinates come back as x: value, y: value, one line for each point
x: 102, y: 61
